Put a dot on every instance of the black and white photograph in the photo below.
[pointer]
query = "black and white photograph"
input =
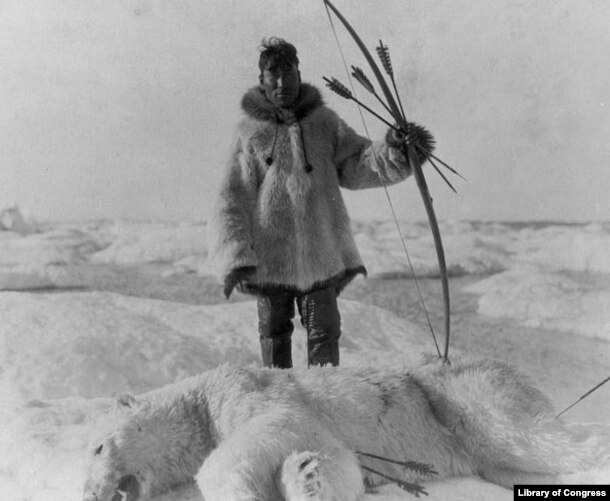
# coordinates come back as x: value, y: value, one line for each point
x: 304, y: 250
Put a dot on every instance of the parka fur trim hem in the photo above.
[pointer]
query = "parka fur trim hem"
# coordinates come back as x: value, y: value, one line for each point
x: 339, y: 282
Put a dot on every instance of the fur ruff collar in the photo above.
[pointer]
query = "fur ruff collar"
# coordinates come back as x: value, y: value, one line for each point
x: 256, y: 105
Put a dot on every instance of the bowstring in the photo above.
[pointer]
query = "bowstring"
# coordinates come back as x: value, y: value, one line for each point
x: 384, y: 185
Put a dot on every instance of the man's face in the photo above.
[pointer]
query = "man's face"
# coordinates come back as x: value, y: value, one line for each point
x: 281, y: 83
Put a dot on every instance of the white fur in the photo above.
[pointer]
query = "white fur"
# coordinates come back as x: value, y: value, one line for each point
x: 291, y: 224
x: 252, y: 434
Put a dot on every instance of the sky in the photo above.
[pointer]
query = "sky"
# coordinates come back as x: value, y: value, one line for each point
x: 126, y: 108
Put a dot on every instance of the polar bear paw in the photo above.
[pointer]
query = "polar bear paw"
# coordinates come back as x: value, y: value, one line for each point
x: 302, y: 478
x: 309, y: 477
x: 317, y: 476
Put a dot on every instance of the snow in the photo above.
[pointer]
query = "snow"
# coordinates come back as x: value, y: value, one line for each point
x: 547, y: 300
x: 67, y: 351
x: 12, y: 219
x: 89, y: 344
x: 148, y: 243
x: 65, y: 354
x: 534, y: 258
x: 75, y: 350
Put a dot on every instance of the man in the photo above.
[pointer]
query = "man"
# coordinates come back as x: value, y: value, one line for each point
x: 280, y: 228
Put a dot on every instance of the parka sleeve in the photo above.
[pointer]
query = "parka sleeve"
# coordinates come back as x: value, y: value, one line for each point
x: 362, y: 163
x: 230, y: 225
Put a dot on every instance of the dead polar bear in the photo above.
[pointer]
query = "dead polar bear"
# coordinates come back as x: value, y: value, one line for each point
x: 263, y: 434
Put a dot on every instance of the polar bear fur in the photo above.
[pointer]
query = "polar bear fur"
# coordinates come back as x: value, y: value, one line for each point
x: 270, y: 434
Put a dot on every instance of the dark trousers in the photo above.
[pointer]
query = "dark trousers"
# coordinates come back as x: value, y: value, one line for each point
x: 320, y: 317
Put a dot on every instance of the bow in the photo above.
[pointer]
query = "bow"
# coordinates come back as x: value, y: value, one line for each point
x: 409, y: 150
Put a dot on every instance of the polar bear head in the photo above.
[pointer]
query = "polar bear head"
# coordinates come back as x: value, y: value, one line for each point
x: 118, y: 466
x: 148, y: 447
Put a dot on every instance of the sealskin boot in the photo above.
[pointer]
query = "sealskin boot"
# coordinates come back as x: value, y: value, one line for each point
x: 276, y: 352
x: 322, y: 321
x: 323, y: 353
x: 275, y: 314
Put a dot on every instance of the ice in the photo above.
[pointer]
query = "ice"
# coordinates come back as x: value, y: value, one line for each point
x: 540, y: 296
x: 66, y: 354
x: 484, y: 248
x: 470, y: 248
x: 137, y: 243
x: 547, y: 300
x: 12, y: 219
x: 38, y: 260
x: 583, y: 248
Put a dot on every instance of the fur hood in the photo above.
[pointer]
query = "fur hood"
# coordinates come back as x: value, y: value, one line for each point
x: 256, y: 105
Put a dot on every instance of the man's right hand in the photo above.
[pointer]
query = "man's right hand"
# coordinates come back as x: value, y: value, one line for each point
x: 237, y: 276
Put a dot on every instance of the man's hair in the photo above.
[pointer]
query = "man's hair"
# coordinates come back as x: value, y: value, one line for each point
x: 276, y: 52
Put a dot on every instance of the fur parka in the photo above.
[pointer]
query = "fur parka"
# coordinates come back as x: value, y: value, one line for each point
x: 280, y: 208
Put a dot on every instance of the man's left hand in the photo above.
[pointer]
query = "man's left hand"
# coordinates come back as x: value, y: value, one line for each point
x: 409, y: 136
x: 413, y: 134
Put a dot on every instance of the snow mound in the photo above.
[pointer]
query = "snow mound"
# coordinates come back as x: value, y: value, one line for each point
x: 545, y: 300
x: 36, y: 260
x: 92, y: 344
x: 582, y: 249
x: 11, y: 219
x: 138, y: 243
x: 468, y: 250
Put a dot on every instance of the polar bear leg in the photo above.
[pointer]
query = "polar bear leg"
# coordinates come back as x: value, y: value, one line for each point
x: 327, y: 475
x: 242, y: 467
x: 258, y: 462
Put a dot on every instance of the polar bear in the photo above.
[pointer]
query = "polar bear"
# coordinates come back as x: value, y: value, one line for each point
x: 318, y: 434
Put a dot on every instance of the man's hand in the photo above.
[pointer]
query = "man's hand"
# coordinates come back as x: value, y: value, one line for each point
x: 406, y: 136
x: 414, y: 134
x: 237, y: 276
